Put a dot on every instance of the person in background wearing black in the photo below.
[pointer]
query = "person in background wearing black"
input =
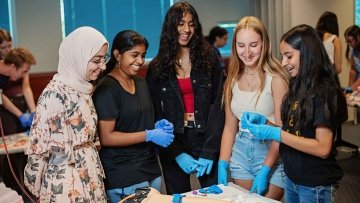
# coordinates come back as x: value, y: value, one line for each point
x: 218, y: 37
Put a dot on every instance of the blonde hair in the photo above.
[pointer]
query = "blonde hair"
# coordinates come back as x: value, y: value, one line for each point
x: 19, y: 56
x: 267, y: 62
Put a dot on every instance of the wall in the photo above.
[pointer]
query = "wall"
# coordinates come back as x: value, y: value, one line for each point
x: 38, y: 25
x: 213, y: 11
x: 343, y: 9
x: 38, y: 22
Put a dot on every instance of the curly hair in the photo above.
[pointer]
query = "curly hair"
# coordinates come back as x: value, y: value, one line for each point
x: 316, y: 78
x: 164, y: 63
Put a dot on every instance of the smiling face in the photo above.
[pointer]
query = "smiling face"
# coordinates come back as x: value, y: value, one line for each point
x: 132, y: 60
x: 290, y: 59
x: 248, y: 47
x: 97, y: 64
x: 186, y: 29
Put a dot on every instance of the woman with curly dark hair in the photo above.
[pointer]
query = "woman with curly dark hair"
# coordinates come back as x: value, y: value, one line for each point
x: 311, y: 112
x: 185, y: 81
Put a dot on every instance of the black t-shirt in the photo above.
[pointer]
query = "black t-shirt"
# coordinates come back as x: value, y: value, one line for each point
x: 306, y: 169
x: 126, y: 166
x: 3, y: 80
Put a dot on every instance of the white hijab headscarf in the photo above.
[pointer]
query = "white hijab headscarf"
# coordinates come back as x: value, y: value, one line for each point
x: 75, y: 52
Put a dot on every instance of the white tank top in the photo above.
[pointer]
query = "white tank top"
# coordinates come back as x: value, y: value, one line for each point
x: 329, y: 47
x: 245, y: 101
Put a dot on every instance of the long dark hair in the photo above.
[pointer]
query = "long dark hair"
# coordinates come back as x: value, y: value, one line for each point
x: 124, y: 41
x: 327, y: 23
x: 316, y: 79
x: 164, y: 63
x: 216, y: 31
x: 354, y: 32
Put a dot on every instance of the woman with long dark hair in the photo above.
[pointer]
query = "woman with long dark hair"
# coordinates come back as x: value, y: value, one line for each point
x: 185, y: 81
x: 311, y: 112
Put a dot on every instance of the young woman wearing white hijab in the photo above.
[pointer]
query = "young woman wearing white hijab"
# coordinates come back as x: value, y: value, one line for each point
x: 63, y: 164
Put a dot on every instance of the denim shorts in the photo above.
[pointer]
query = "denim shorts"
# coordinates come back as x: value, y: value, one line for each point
x: 248, y: 156
x: 115, y: 195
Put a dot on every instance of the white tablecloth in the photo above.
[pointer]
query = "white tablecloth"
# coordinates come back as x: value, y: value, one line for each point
x: 234, y: 193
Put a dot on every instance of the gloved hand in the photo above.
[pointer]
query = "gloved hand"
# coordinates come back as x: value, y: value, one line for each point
x: 260, y: 183
x: 265, y: 132
x: 222, y: 172
x: 25, y: 120
x: 32, y: 114
x: 165, y: 125
x: 159, y: 137
x: 201, y: 169
x: 252, y: 118
x: 187, y: 163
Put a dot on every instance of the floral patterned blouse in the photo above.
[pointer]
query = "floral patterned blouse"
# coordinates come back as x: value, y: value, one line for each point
x: 63, y: 164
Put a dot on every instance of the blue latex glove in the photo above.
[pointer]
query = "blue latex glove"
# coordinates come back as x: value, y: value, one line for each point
x: 159, y: 137
x: 201, y: 169
x: 265, y: 132
x: 253, y: 118
x: 214, y: 189
x: 260, y: 183
x: 222, y: 172
x: 25, y: 120
x: 32, y: 114
x: 187, y: 163
x: 165, y: 125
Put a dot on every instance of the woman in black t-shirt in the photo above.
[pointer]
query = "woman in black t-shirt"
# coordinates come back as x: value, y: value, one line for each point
x: 311, y: 111
x: 126, y: 117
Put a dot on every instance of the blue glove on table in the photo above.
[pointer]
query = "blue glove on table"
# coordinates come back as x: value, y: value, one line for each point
x: 252, y: 118
x: 165, y: 125
x: 265, y: 132
x: 159, y: 137
x: 201, y: 169
x: 214, y: 189
x: 260, y: 183
x: 25, y: 120
x: 187, y: 163
x: 222, y: 172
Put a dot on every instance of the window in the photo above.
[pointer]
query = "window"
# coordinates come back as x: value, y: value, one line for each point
x: 229, y: 26
x: 110, y: 17
x: 357, y: 12
x: 4, y: 15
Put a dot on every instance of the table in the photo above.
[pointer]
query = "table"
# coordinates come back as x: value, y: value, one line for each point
x: 233, y: 192
x: 353, y: 100
x: 15, y: 143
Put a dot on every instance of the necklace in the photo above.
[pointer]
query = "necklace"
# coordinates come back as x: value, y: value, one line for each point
x: 249, y: 73
x: 183, y: 66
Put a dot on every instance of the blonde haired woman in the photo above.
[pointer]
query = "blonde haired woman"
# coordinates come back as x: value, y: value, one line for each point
x: 256, y: 82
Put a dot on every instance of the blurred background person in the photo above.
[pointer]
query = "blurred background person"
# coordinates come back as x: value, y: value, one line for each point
x: 218, y: 37
x: 352, y: 38
x: 18, y: 92
x: 328, y: 30
x: 14, y: 66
